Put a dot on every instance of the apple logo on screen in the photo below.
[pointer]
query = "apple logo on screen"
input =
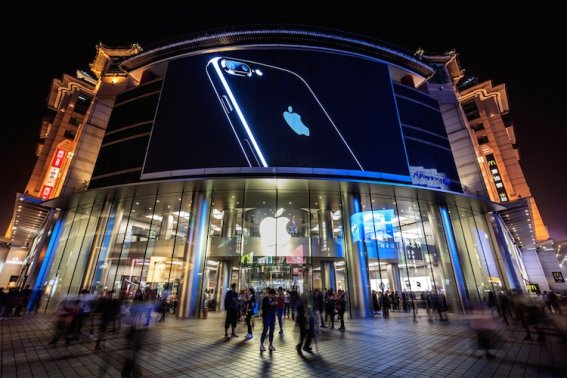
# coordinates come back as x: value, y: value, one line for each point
x: 273, y: 231
x: 294, y: 121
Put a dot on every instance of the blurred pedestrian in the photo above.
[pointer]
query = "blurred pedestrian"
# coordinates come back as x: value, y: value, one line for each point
x: 67, y: 309
x: 491, y: 301
x: 306, y: 322
x: 280, y: 300
x: 269, y: 308
x: 341, y: 308
x: 486, y: 335
x: 375, y: 306
x: 504, y: 303
x: 109, y: 309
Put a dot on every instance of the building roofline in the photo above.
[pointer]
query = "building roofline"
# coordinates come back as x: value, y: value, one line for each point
x: 279, y: 35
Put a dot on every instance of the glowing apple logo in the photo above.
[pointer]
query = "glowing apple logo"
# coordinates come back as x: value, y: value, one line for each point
x: 294, y: 121
x: 273, y: 231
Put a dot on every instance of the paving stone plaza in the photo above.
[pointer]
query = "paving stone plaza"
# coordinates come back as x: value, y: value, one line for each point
x: 398, y: 346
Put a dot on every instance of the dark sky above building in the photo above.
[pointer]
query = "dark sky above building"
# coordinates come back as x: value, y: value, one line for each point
x: 495, y: 40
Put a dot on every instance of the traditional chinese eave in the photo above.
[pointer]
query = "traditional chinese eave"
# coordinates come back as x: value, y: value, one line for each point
x: 449, y: 60
x: 105, y: 53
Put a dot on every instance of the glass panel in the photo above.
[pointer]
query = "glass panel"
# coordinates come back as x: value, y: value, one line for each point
x: 110, y: 244
x: 488, y: 256
x: 133, y: 266
x: 178, y: 261
x: 85, y: 252
x: 419, y: 283
x: 381, y: 228
x: 116, y: 249
x: 326, y: 235
x: 164, y: 232
x: 277, y: 240
x: 57, y: 287
x: 224, y: 247
x: 440, y: 257
x: 476, y: 279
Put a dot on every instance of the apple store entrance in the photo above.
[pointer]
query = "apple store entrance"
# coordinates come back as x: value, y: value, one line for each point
x: 264, y: 238
x: 264, y: 272
x: 291, y: 277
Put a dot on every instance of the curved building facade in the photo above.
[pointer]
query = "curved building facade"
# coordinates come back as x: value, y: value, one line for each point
x: 270, y: 158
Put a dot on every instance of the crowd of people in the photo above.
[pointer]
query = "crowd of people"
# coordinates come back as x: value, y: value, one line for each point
x: 14, y: 301
x: 89, y: 316
x: 536, y: 314
x: 309, y: 311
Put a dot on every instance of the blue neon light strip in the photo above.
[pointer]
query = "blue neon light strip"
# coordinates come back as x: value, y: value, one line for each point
x: 104, y: 250
x: 47, y: 260
x: 453, y: 251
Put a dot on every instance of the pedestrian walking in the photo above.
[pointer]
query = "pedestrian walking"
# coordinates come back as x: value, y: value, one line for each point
x: 231, y: 307
x: 250, y: 305
x: 342, y: 308
x: 269, y: 319
x: 280, y: 300
x: 306, y: 322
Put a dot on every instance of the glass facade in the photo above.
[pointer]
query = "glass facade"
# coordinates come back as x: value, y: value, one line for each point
x: 261, y: 233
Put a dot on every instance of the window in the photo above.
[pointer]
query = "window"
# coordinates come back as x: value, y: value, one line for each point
x: 479, y: 126
x: 82, y: 104
x: 482, y: 140
x: 470, y: 109
x: 69, y: 134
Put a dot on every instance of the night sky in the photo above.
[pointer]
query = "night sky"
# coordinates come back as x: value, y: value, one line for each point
x: 495, y: 40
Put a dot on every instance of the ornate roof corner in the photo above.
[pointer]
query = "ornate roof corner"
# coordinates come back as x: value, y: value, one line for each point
x: 105, y: 53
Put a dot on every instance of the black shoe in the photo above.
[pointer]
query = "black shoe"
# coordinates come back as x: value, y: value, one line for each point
x: 308, y: 349
x: 233, y: 335
x: 298, y: 348
x: 489, y: 355
x: 342, y: 329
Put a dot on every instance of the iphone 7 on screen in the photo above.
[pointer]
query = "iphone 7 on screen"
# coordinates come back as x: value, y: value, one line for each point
x: 277, y: 118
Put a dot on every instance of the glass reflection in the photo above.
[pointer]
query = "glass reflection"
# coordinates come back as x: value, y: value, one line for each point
x: 394, y: 245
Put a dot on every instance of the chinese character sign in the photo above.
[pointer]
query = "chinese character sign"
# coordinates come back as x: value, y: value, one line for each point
x: 497, y: 178
x: 50, y: 180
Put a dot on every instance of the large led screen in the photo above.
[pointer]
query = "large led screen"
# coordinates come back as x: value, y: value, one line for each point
x: 376, y: 229
x: 239, y: 110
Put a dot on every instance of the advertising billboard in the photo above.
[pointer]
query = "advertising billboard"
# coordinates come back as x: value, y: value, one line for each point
x: 376, y: 229
x: 306, y: 110
x: 52, y: 176
x: 497, y: 178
